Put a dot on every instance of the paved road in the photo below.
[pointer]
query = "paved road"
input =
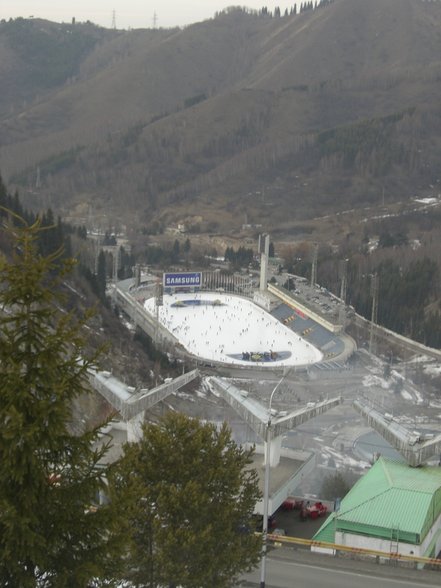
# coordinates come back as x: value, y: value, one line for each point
x: 297, y: 575
x: 286, y: 573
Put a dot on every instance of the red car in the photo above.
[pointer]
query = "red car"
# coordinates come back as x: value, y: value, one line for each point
x: 290, y: 504
x: 318, y: 509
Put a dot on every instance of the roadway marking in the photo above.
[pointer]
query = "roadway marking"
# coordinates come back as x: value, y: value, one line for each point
x: 360, y: 574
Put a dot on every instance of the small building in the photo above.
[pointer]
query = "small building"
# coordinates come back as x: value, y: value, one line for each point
x: 393, y: 508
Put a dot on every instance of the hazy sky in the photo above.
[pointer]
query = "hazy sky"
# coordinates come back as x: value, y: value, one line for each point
x: 128, y: 13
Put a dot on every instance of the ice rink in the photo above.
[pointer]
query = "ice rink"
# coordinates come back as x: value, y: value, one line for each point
x: 225, y: 328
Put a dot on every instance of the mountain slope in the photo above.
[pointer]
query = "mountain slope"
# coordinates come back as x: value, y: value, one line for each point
x: 137, y: 75
x: 275, y: 118
x: 352, y: 40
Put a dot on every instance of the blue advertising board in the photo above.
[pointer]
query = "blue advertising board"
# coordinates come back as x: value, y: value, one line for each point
x: 183, y: 280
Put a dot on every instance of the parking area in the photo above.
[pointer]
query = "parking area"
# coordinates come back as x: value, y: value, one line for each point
x: 293, y: 525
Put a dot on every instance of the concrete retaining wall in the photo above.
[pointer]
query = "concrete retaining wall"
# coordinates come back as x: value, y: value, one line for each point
x: 391, y: 336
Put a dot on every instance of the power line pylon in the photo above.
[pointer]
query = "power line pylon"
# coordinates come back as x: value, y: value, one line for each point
x: 114, y: 20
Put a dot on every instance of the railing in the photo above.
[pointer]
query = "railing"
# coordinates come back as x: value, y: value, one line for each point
x: 336, y: 547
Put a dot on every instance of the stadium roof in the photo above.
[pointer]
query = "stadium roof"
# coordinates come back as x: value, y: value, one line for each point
x: 392, y: 501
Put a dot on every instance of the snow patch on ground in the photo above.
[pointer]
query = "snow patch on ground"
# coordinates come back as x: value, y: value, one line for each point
x: 406, y: 395
x: 418, y: 395
x: 419, y: 359
x: 128, y: 325
x: 372, y: 380
x: 184, y: 396
x: 432, y: 370
x: 341, y: 460
x: 428, y: 200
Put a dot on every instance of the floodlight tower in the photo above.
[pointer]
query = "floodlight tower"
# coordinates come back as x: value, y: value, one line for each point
x: 374, y: 315
x: 314, y: 266
x: 263, y: 249
x: 343, y: 274
x: 159, y: 300
x: 343, y: 288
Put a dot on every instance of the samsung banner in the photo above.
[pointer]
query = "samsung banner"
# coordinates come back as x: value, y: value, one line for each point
x: 183, y: 280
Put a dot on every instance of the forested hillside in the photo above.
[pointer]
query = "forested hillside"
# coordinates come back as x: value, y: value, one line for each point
x: 39, y: 56
x: 84, y: 290
x: 248, y: 115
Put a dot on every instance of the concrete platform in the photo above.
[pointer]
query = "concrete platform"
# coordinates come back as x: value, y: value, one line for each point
x: 294, y: 465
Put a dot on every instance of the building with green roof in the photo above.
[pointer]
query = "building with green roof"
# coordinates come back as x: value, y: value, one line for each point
x: 393, y: 508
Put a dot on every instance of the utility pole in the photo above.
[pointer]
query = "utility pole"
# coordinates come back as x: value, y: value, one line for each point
x: 266, y: 492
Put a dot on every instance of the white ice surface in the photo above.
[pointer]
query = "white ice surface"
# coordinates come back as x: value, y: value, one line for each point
x: 216, y: 332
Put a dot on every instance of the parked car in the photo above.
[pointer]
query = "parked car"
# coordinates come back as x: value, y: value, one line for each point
x: 290, y: 504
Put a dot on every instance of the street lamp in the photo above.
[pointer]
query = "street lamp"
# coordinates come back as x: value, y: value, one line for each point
x: 266, y: 487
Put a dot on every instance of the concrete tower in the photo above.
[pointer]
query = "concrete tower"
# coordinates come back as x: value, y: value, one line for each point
x: 263, y: 249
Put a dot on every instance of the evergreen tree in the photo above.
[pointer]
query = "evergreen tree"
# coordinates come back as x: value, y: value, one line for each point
x: 175, y: 251
x: 49, y: 478
x: 240, y: 258
x: 52, y: 237
x: 334, y: 486
x: 188, y: 497
x: 271, y: 252
x: 187, y: 246
x: 109, y: 239
x: 81, y: 232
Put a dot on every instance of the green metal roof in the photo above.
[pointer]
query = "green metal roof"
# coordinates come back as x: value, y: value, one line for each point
x: 327, y: 530
x: 392, y: 500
